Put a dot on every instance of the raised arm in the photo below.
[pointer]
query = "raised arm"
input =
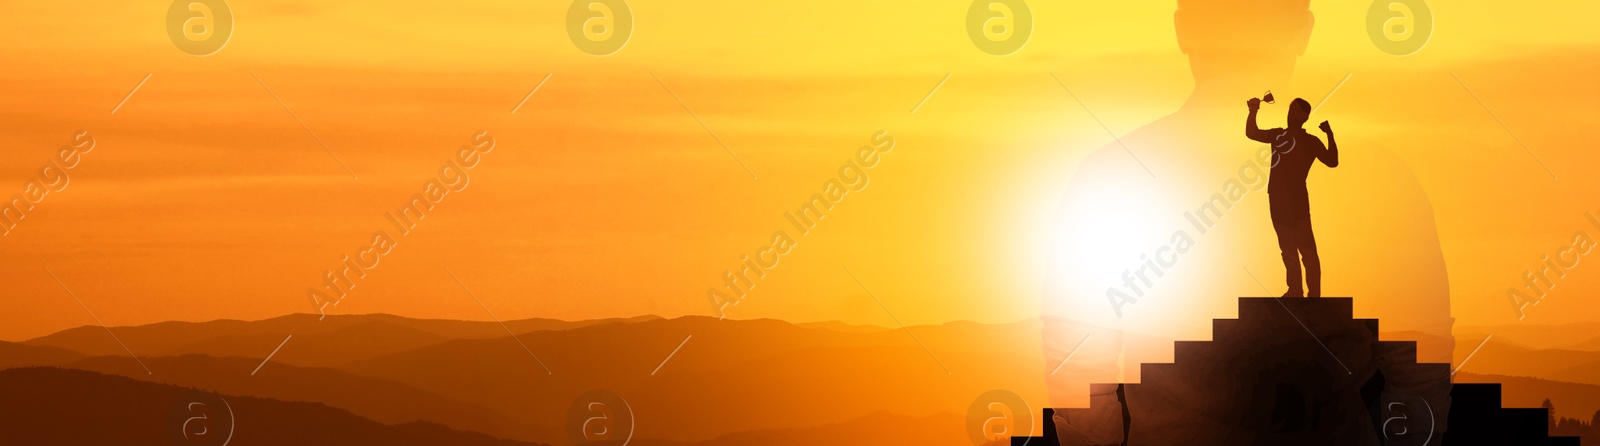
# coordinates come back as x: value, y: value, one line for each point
x: 1330, y: 156
x: 1250, y: 129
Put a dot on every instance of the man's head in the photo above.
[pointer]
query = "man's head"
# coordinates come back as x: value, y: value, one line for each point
x: 1299, y: 112
x: 1243, y: 37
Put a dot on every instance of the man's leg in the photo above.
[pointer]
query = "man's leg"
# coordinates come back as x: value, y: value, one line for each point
x: 1283, y: 223
x: 1308, y: 254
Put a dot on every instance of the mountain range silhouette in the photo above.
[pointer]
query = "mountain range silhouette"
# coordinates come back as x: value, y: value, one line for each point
x: 733, y: 382
x: 725, y: 383
x: 53, y: 406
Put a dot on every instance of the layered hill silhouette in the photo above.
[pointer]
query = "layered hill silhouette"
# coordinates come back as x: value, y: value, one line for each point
x: 372, y: 398
x: 20, y: 355
x: 728, y: 379
x: 732, y: 382
x: 1575, y: 366
x: 52, y: 406
x: 1580, y: 336
x: 879, y: 428
x: 324, y: 342
x: 732, y: 376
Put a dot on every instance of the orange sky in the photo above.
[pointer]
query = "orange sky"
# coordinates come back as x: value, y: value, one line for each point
x: 204, y: 199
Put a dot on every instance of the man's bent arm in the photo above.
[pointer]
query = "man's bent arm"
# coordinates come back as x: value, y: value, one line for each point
x: 1330, y: 156
x: 1251, y: 130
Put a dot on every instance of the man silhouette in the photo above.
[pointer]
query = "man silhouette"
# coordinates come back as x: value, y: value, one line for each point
x: 1157, y: 233
x: 1293, y: 153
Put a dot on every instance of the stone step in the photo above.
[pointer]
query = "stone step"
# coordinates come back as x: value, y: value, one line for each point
x: 1159, y: 373
x: 1477, y: 392
x: 1265, y: 308
x: 1372, y: 324
x: 1226, y: 330
x: 1191, y: 352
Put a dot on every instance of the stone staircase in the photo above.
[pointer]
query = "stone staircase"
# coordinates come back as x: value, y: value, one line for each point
x: 1300, y: 372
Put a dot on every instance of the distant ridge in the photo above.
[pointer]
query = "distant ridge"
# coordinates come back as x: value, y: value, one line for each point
x: 730, y: 379
x: 50, y: 406
x: 879, y: 428
x: 329, y: 342
x: 372, y: 398
x: 1582, y: 336
x: 18, y: 355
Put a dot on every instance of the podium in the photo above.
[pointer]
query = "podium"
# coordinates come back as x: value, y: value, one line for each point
x: 1297, y: 371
